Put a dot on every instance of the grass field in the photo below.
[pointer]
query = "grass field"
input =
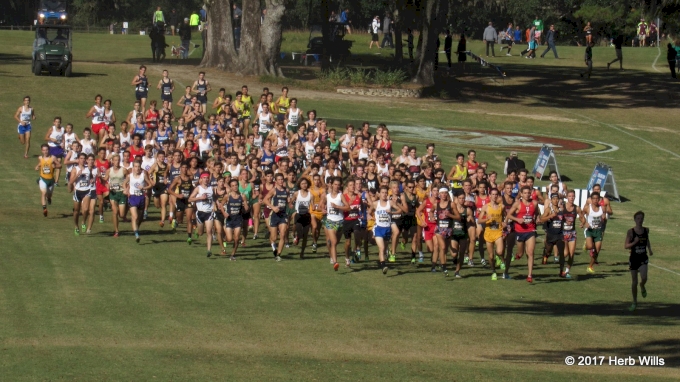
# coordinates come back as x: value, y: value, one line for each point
x: 98, y: 308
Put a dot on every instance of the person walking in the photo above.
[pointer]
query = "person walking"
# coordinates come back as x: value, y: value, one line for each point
x: 509, y: 39
x: 185, y: 37
x: 448, y: 41
x: 671, y: 56
x: 387, y: 32
x: 538, y: 24
x: 618, y: 42
x: 589, y: 60
x: 550, y: 38
x: 489, y: 37
x: 461, y: 51
x: 375, y: 28
x: 172, y: 20
x: 344, y: 19
x: 642, y: 31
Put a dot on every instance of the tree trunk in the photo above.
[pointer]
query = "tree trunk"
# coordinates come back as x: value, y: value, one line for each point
x: 427, y: 41
x: 398, y: 43
x: 260, y: 43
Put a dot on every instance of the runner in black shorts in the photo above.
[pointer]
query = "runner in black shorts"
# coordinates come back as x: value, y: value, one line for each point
x: 553, y: 215
x: 637, y: 241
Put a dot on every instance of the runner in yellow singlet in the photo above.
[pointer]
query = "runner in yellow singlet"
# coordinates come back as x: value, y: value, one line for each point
x: 458, y: 172
x: 46, y: 165
x: 492, y: 215
x: 247, y: 107
x: 316, y: 190
x: 282, y: 105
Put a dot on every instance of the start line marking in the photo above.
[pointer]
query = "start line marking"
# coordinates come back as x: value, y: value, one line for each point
x: 665, y: 269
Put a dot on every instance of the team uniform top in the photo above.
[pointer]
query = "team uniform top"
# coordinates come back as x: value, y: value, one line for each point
x: 526, y: 213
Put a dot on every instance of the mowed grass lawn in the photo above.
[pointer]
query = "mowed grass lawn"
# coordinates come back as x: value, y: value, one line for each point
x: 98, y: 308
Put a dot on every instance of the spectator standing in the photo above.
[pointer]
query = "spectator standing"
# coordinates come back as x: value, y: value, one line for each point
x: 158, y: 16
x: 448, y: 42
x: 513, y: 163
x: 409, y: 43
x: 236, y: 16
x: 538, y: 24
x: 172, y: 19
x: 671, y: 56
x: 387, y: 32
x: 185, y: 37
x: 589, y: 60
x: 642, y: 31
x: 550, y: 37
x: 490, y: 36
x: 344, y: 19
x: 461, y: 50
x: 518, y: 35
x: 375, y: 28
x: 194, y: 21
x: 618, y: 42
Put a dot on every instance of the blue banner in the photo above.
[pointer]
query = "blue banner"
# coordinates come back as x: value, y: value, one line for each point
x: 599, y: 176
x: 542, y: 162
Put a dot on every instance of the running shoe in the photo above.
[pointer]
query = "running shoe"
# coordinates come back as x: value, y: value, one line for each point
x: 506, y: 276
x: 632, y: 307
x: 277, y: 258
x: 413, y: 260
x: 502, y: 266
x: 189, y: 240
x: 101, y: 219
x: 530, y: 279
x: 644, y: 292
x: 357, y: 255
x: 77, y: 232
x: 433, y: 270
x: 254, y: 236
x: 313, y: 247
x: 385, y: 269
x: 195, y: 234
x: 556, y: 260
x: 457, y: 275
x: 446, y: 272
x: 137, y: 237
x: 392, y: 258
x: 465, y: 260
x: 232, y: 258
x: 512, y: 258
x: 471, y: 263
x: 273, y: 246
x: 89, y: 231
x: 162, y: 223
x: 498, y: 261
x: 173, y: 224
x: 590, y: 270
x: 494, y: 277
x: 420, y: 259
x: 115, y: 234
x: 45, y: 212
x: 223, y: 252
x: 224, y: 244
x: 296, y: 241
x: 287, y: 245
x: 563, y: 275
x: 483, y: 262
x: 347, y: 263
x: 403, y: 246
x: 208, y: 254
x: 83, y: 227
x: 49, y: 201
x: 517, y: 256
x: 146, y: 215
x: 545, y: 260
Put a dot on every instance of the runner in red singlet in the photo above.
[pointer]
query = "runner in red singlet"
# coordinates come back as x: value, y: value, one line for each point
x: 525, y: 213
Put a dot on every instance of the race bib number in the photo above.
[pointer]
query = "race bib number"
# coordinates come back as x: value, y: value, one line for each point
x: 493, y: 225
x: 457, y: 225
x: 557, y: 224
x: 47, y: 170
x: 115, y: 187
x: 444, y: 223
x: 528, y: 219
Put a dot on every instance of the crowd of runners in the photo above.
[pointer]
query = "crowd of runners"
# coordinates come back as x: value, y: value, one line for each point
x: 222, y: 169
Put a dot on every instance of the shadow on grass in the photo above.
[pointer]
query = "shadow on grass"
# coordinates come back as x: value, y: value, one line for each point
x: 668, y: 349
x: 663, y: 314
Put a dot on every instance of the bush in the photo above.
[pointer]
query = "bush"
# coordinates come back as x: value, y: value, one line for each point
x: 389, y: 78
x: 359, y: 77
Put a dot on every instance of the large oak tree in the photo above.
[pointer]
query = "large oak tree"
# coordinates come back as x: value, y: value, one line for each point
x: 260, y: 40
